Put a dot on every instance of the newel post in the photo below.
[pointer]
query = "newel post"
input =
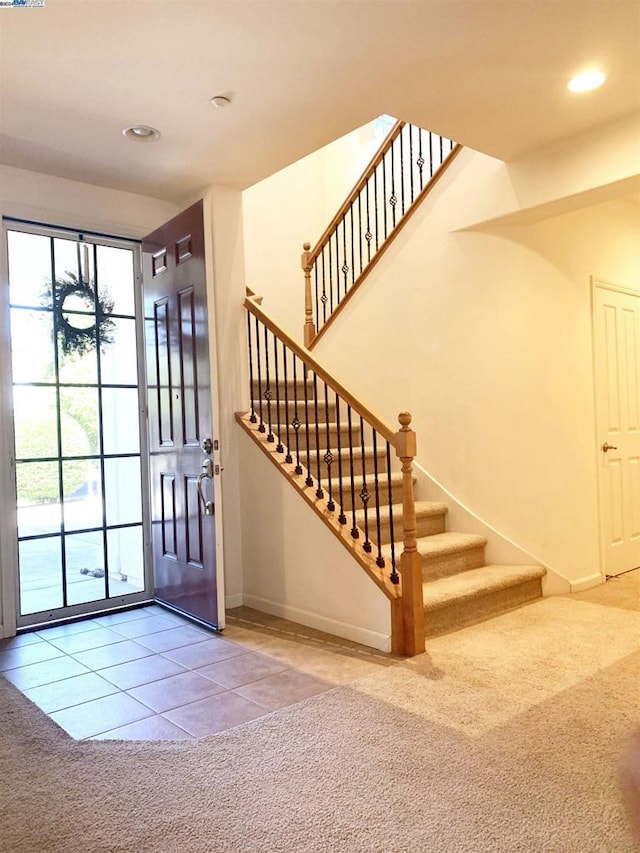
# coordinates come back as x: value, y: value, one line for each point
x: 307, y: 265
x: 410, y: 560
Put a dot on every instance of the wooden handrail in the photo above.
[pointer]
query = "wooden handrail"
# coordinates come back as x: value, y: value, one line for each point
x: 361, y: 184
x: 251, y: 304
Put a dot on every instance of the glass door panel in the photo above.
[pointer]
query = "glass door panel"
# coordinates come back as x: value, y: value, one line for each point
x: 75, y: 339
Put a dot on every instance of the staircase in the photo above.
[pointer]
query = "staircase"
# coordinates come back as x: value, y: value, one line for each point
x: 337, y: 454
x: 352, y: 469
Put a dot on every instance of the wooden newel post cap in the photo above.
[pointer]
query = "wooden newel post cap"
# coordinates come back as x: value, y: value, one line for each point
x: 306, y: 246
x: 405, y: 443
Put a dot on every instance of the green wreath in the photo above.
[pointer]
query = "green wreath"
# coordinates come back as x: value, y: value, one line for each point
x: 78, y: 339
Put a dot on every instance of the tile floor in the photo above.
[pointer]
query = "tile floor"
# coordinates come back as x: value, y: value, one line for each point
x: 149, y: 674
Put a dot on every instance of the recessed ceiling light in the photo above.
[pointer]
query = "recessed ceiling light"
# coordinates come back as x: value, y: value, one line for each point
x: 141, y: 133
x: 585, y: 81
x: 220, y: 101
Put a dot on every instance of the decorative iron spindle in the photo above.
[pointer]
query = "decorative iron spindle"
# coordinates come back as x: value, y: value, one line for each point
x: 253, y: 417
x: 345, y: 265
x: 368, y: 236
x: 279, y: 445
x: 328, y: 456
x: 342, y: 518
x: 309, y: 480
x: 330, y: 276
x: 375, y: 206
x: 354, y: 528
x: 411, y: 159
x: 261, y: 427
x: 379, y: 558
x: 353, y: 262
x: 268, y: 394
x: 401, y: 146
x: 296, y: 422
x: 365, y: 494
x: 384, y: 192
x: 319, y: 491
x: 394, y: 576
x: 393, y: 198
x: 288, y: 458
x: 420, y: 160
x: 324, y: 298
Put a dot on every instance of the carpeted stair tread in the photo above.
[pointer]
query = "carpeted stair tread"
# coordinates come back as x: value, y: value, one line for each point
x: 465, y: 586
x: 441, y: 545
x: 424, y: 509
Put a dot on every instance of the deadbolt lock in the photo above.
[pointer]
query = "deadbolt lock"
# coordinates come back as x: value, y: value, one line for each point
x: 207, y: 445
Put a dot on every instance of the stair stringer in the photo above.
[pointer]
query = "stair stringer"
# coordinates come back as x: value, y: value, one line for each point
x: 377, y: 636
x: 499, y: 548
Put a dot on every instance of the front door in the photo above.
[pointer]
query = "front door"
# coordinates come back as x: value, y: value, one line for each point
x: 617, y: 364
x: 181, y: 432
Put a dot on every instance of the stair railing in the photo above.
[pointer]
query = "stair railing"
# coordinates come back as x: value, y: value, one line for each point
x: 395, y: 181
x: 318, y: 434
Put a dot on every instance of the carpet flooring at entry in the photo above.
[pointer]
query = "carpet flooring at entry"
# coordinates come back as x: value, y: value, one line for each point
x: 505, y: 737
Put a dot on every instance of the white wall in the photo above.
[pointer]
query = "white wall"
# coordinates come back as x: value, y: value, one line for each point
x: 57, y: 201
x: 485, y: 336
x: 294, y: 566
x: 295, y: 206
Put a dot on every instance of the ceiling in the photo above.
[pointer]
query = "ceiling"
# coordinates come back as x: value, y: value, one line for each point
x: 488, y: 73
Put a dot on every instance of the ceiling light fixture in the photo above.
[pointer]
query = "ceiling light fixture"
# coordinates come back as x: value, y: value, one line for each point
x: 585, y: 81
x: 220, y: 101
x: 141, y: 133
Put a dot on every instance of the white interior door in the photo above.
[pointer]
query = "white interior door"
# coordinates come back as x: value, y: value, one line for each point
x: 617, y: 371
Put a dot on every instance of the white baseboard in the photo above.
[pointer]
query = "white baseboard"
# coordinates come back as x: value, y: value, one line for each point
x: 232, y: 601
x: 355, y: 633
x: 587, y: 582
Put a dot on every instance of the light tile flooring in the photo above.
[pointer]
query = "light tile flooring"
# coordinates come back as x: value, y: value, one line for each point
x: 149, y: 674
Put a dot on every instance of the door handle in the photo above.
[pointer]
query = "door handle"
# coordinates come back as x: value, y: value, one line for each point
x: 606, y: 447
x: 207, y: 474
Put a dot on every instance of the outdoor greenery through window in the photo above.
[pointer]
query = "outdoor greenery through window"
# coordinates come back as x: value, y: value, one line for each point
x: 76, y: 421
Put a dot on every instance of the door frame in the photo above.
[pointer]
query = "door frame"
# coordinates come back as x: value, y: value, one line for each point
x: 604, y: 284
x: 8, y: 508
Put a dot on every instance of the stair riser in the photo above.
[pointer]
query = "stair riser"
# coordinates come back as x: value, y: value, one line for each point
x: 480, y: 608
x: 426, y: 527
x: 396, y: 494
x: 357, y: 465
x: 322, y: 439
x: 451, y: 564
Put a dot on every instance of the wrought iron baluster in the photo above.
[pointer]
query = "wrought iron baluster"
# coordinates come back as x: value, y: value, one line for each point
x: 353, y: 263
x: 360, y: 227
x: 253, y: 417
x: 279, y: 445
x: 394, y: 576
x: 354, y: 529
x: 375, y: 205
x: 337, y: 238
x: 345, y: 265
x: 324, y: 298
x: 296, y: 423
x: 393, y: 198
x: 330, y: 266
x: 430, y: 153
x: 261, y: 427
x: 441, y: 152
x: 368, y: 236
x: 328, y: 456
x: 410, y: 126
x: 288, y: 458
x: 400, y: 140
x: 315, y: 274
x: 319, y: 492
x: 365, y: 495
x: 384, y: 193
x: 309, y: 480
x: 379, y: 558
x: 268, y: 394
x: 342, y: 518
x: 420, y: 160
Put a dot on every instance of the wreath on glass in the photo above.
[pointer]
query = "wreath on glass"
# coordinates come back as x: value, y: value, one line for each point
x: 81, y: 316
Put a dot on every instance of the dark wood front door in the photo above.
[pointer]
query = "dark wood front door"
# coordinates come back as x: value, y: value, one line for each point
x: 181, y: 434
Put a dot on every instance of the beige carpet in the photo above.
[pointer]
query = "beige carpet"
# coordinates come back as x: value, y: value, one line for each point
x: 505, y: 737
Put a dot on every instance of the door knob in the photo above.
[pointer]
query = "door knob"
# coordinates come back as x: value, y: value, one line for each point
x: 606, y: 447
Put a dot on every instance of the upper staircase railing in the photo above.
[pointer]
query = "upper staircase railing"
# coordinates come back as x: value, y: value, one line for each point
x: 397, y: 179
x: 338, y: 454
